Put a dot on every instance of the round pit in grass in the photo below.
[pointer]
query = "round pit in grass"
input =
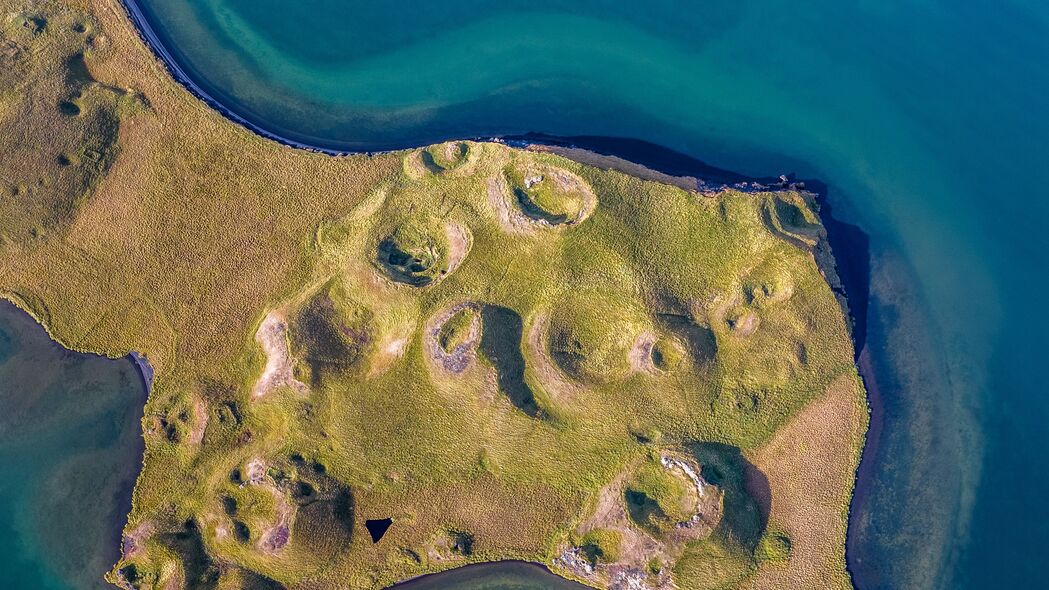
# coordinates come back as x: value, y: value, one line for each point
x: 663, y: 494
x: 439, y: 159
x: 415, y: 253
x: 667, y: 353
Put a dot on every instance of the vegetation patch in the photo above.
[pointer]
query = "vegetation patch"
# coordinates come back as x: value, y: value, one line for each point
x: 58, y: 125
x: 202, y: 232
x: 602, y: 545
x: 549, y: 195
x: 591, y: 336
x: 415, y: 253
x: 457, y: 330
x: 329, y: 334
x: 775, y: 546
x: 658, y: 498
x: 667, y: 353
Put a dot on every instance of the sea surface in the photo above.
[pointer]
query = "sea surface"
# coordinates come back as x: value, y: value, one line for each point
x: 926, y: 120
x: 70, y: 449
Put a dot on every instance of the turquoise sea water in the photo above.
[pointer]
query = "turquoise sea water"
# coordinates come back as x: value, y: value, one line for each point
x: 70, y: 449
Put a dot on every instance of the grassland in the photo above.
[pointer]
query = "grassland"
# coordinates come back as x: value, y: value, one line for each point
x: 496, y: 348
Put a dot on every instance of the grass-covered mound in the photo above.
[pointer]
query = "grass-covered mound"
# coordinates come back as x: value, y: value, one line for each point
x: 456, y: 331
x: 621, y: 328
x: 330, y: 332
x: 591, y: 335
x: 658, y: 498
x: 453, y: 157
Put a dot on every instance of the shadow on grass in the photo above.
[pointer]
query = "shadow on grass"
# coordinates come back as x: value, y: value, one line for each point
x: 501, y: 345
x: 744, y: 520
x: 700, y: 341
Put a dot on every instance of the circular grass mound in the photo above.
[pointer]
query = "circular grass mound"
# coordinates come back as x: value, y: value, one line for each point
x: 591, y: 336
x: 457, y: 329
x: 549, y: 195
x: 667, y: 353
x: 438, y: 159
x: 415, y: 253
x: 658, y: 498
x: 446, y: 156
x: 328, y: 334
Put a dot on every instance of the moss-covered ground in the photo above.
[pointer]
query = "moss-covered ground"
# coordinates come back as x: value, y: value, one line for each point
x: 132, y: 217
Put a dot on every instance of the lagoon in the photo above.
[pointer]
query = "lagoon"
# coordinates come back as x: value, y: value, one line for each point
x: 70, y: 449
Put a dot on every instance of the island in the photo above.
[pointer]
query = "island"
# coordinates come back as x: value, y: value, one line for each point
x: 370, y: 367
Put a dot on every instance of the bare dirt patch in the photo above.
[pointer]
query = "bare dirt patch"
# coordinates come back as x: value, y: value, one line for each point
x: 272, y: 336
x: 463, y: 355
x: 641, y: 353
x: 459, y: 243
x: 200, y: 422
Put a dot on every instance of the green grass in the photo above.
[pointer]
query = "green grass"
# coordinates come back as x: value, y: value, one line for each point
x: 657, y: 498
x: 602, y: 545
x: 169, y: 231
x: 592, y: 333
x: 540, y: 198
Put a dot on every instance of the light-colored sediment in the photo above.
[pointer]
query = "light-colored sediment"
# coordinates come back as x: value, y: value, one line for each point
x: 641, y: 353
x: 463, y: 356
x: 200, y: 422
x: 135, y: 539
x: 459, y: 243
x: 274, y: 538
x: 272, y: 337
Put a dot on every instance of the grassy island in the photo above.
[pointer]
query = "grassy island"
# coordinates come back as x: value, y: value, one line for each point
x: 370, y: 368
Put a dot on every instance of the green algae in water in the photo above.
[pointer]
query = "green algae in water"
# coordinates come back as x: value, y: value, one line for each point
x: 70, y: 449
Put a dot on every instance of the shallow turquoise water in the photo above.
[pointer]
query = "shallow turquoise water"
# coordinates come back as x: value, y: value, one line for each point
x: 70, y: 448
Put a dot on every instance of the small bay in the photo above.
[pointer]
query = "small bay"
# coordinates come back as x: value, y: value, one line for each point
x: 70, y: 449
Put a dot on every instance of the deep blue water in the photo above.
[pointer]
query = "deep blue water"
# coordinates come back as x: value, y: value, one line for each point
x: 70, y: 449
x: 926, y: 119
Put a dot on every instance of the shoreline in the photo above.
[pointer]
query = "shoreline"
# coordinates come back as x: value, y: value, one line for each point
x: 849, y: 243
x: 124, y: 496
x: 470, y: 568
